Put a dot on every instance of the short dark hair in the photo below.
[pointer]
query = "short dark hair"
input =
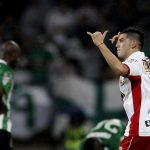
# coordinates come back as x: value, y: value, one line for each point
x: 9, y: 47
x: 136, y: 32
x: 92, y: 144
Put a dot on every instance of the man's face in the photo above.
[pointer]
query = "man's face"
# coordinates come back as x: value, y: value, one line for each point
x: 123, y: 46
x: 15, y: 59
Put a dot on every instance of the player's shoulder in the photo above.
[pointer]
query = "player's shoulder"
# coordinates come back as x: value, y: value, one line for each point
x: 107, y: 122
x: 135, y: 57
x: 5, y: 69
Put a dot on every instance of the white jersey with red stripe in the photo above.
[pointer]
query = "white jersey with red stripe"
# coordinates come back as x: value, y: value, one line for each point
x: 135, y: 92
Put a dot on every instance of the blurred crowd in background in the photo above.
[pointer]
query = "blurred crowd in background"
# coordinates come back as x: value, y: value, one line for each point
x: 60, y: 67
x: 53, y: 36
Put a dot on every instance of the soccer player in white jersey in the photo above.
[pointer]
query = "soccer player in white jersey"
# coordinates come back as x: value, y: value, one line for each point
x: 9, y: 56
x: 133, y: 67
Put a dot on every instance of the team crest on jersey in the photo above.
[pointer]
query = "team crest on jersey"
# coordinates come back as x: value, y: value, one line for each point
x: 7, y: 77
x: 147, y: 123
x: 146, y: 64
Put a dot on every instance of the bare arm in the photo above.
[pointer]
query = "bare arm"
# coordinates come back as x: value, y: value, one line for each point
x: 116, y: 65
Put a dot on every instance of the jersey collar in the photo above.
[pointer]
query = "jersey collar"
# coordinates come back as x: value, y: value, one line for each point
x: 3, y: 61
x: 136, y: 55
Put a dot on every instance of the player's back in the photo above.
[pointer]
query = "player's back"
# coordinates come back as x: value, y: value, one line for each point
x: 108, y: 132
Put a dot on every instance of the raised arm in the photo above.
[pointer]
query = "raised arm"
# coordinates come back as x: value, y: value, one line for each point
x: 116, y: 65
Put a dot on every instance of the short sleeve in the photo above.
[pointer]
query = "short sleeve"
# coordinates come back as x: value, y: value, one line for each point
x: 5, y: 77
x: 134, y: 66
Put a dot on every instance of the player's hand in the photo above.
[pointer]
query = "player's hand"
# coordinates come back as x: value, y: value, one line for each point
x: 115, y: 37
x: 98, y: 37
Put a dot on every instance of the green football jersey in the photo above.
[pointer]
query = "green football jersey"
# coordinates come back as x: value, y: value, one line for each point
x: 6, y: 83
x: 108, y: 132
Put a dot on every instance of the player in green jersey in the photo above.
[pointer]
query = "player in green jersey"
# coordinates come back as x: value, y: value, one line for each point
x: 9, y: 56
x: 106, y: 135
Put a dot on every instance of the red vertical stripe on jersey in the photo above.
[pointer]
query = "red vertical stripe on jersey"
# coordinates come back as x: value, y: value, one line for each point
x: 136, y: 95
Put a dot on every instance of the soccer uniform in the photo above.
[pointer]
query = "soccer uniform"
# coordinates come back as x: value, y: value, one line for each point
x: 6, y: 83
x: 135, y: 92
x: 108, y: 133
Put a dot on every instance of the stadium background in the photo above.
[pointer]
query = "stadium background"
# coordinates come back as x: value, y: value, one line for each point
x: 61, y: 73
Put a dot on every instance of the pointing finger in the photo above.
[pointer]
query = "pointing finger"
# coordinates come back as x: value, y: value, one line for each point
x: 89, y: 33
x: 115, y: 37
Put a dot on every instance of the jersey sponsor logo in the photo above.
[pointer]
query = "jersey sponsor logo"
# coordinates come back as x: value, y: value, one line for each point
x: 147, y: 123
x: 132, y: 60
x: 122, y: 81
x: 122, y: 96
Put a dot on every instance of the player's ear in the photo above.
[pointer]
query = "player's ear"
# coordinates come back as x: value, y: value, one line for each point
x: 134, y: 43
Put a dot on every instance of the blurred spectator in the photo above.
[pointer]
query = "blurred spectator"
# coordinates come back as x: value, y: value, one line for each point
x: 75, y: 131
x: 9, y: 30
x: 40, y: 60
x: 31, y: 22
x: 59, y: 21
